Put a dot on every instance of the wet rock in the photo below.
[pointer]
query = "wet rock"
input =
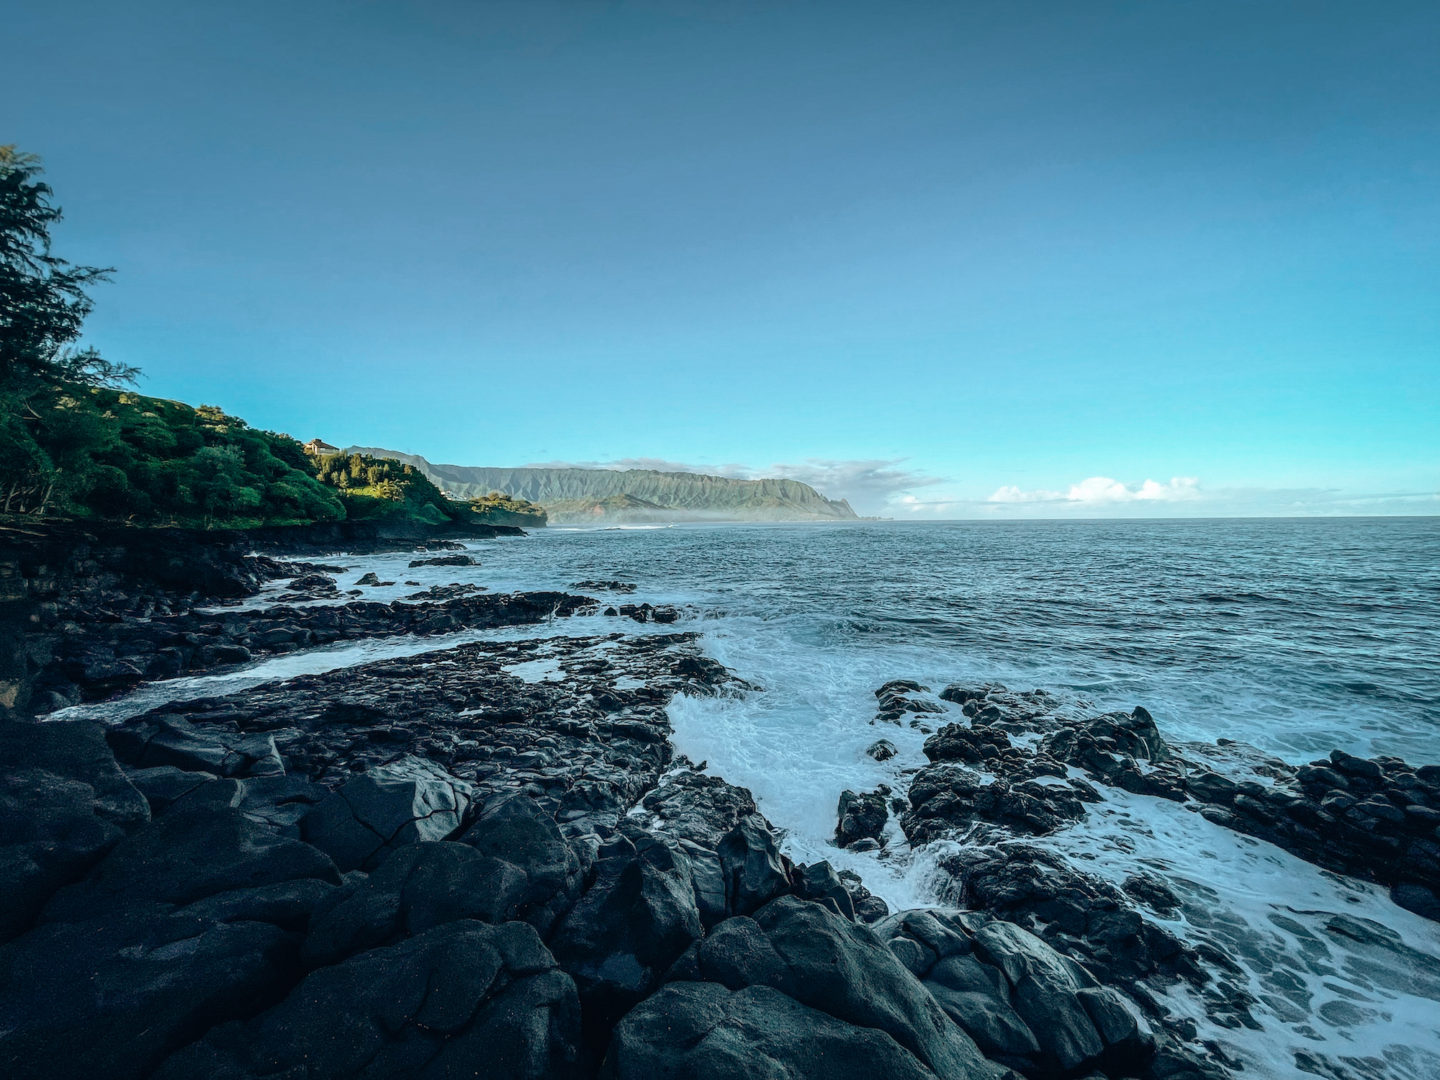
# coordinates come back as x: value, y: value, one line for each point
x: 944, y: 798
x: 1372, y: 819
x: 604, y: 586
x: 644, y: 613
x: 418, y: 887
x: 860, y: 817
x: 881, y: 750
x: 754, y: 870
x: 839, y: 968
x: 895, y: 701
x: 696, y: 807
x: 635, y: 918
x: 191, y: 920
x: 901, y: 686
x: 445, y: 560
x: 384, y: 808
x: 516, y: 831
x: 318, y: 584
x: 505, y: 1010
x: 181, y: 858
x: 441, y: 593
x: 371, y: 579
x: 1151, y: 891
x: 819, y: 882
x: 221, y: 750
x: 1044, y: 986
x: 704, y: 1029
x: 1091, y: 922
x: 869, y: 908
x: 1024, y: 1004
x: 64, y: 803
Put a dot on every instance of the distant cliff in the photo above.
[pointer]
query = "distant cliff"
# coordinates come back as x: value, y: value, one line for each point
x: 635, y: 494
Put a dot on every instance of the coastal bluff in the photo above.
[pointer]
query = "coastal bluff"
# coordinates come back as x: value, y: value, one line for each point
x: 574, y: 494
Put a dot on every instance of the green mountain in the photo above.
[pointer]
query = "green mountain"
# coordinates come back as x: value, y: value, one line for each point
x: 570, y: 495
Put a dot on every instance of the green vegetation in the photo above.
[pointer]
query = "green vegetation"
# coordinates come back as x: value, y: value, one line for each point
x: 498, y: 509
x: 372, y: 487
x: 112, y: 454
x: 74, y: 443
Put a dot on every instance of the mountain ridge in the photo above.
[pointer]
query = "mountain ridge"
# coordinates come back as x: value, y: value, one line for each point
x: 654, y: 495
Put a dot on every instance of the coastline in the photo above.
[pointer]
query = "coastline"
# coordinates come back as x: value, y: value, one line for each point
x: 651, y: 894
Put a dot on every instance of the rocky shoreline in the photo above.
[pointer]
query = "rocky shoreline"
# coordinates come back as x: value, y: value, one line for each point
x: 487, y: 859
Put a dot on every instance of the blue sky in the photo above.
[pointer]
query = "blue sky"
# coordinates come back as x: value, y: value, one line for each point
x: 947, y: 260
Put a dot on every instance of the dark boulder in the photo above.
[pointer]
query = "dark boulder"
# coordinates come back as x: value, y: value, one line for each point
x: 418, y: 887
x: 895, y: 702
x: 382, y: 809
x: 63, y: 804
x: 836, y: 967
x: 517, y: 832
x: 697, y: 807
x: 445, y: 560
x: 462, y: 999
x: 869, y: 908
x: 704, y: 1031
x: 604, y: 586
x: 312, y: 583
x: 163, y: 785
x: 220, y: 749
x: 119, y: 990
x: 1092, y: 922
x: 1022, y: 1002
x: 636, y: 917
x: 881, y: 750
x: 192, y: 920
x: 860, y: 817
x: 755, y: 871
x: 1044, y: 988
x: 970, y: 745
x: 181, y: 858
x: 819, y: 882
x: 901, y: 686
x: 945, y: 798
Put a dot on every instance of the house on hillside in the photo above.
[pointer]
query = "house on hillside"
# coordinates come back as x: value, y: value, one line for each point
x: 320, y: 448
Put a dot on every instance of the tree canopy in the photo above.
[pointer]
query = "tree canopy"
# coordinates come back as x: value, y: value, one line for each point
x: 43, y: 298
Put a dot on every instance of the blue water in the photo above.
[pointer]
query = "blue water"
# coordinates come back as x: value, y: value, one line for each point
x: 1294, y: 636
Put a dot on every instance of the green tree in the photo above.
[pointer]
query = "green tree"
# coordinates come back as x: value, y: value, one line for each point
x: 43, y: 298
x: 43, y: 304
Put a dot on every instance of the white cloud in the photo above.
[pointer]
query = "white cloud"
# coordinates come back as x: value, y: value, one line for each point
x: 1103, y: 491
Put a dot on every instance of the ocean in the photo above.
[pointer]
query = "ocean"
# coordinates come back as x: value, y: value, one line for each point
x: 1293, y: 636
